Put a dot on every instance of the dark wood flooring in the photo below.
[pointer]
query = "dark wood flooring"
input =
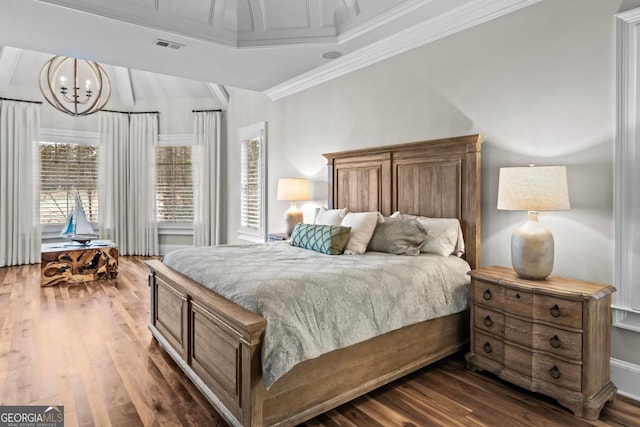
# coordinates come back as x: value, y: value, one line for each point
x: 87, y: 347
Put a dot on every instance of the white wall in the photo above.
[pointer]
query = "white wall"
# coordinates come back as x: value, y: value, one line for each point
x: 538, y: 83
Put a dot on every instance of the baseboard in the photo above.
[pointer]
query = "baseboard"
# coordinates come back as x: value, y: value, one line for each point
x: 626, y: 376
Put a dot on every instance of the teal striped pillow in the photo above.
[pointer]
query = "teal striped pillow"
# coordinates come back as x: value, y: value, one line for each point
x: 327, y: 239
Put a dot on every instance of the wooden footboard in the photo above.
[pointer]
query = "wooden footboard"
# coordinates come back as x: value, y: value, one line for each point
x: 218, y: 343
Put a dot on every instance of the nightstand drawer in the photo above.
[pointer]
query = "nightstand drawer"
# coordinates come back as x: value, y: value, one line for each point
x: 488, y: 321
x: 489, y: 347
x: 544, y: 338
x: 518, y: 302
x: 488, y: 294
x: 557, y: 311
x: 558, y: 372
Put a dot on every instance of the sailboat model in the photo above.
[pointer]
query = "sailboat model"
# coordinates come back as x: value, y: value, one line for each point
x: 77, y: 228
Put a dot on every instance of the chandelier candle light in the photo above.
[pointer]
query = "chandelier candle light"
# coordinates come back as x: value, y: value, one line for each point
x: 293, y: 189
x: 72, y: 100
x: 533, y: 189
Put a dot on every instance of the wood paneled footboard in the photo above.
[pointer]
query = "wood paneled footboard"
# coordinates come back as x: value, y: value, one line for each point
x: 218, y: 345
x: 216, y: 342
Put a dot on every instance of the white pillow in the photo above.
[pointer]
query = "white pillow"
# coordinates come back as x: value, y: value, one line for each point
x: 362, y: 226
x: 444, y: 235
x: 326, y: 216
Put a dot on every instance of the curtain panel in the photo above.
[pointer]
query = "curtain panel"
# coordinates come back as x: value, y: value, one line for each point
x: 127, y: 175
x: 206, y: 178
x: 19, y: 183
x: 113, y: 172
x: 142, y: 236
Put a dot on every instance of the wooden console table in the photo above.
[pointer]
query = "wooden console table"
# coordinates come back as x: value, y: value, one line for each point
x: 74, y: 263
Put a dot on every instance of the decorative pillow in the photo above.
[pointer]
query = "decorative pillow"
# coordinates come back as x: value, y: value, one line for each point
x: 444, y: 235
x: 398, y: 236
x: 327, y: 239
x: 326, y: 216
x: 362, y: 226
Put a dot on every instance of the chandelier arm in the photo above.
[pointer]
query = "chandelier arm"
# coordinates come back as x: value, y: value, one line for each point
x: 52, y: 73
x: 106, y: 80
x: 45, y: 68
x: 96, y: 74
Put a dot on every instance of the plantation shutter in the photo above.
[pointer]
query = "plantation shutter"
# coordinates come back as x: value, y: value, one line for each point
x: 64, y: 170
x: 253, y: 183
x: 174, y: 184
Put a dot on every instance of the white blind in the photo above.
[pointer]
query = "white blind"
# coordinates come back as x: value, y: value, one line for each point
x: 174, y: 185
x: 251, y: 184
x: 64, y: 170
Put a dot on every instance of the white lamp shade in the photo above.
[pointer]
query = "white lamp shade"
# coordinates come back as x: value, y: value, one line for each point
x: 293, y: 189
x: 533, y: 188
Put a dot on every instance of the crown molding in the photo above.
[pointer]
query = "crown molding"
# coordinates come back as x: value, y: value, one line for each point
x: 381, y: 20
x: 459, y: 19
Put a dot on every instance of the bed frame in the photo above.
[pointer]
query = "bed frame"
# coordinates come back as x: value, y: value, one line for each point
x: 217, y: 343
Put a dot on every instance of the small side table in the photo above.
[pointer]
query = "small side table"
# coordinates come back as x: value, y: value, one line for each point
x: 549, y: 336
x: 278, y: 237
x: 75, y: 263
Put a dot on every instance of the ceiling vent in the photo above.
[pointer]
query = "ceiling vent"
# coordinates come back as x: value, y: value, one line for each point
x: 165, y: 43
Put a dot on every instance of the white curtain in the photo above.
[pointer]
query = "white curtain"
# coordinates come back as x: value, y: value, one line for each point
x: 128, y: 182
x: 19, y: 183
x: 142, y: 236
x: 113, y: 177
x: 206, y: 178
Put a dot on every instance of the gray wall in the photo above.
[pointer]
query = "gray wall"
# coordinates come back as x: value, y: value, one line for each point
x: 538, y: 83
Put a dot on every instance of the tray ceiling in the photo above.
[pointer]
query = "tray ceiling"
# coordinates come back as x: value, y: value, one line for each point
x: 275, y: 46
x: 244, y: 23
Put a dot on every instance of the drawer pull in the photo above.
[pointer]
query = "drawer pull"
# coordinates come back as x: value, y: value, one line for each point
x: 487, y: 347
x: 486, y: 295
x: 555, y: 342
x: 488, y: 322
x: 517, y: 296
x: 554, y: 372
x: 555, y: 311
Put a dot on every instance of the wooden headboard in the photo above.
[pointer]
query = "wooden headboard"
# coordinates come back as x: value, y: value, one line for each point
x: 438, y: 179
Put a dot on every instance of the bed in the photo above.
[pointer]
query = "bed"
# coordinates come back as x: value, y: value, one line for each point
x: 218, y: 343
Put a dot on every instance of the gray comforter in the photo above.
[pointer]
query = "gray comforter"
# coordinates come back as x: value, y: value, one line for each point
x: 316, y: 303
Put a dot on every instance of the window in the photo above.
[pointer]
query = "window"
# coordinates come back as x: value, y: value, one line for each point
x: 174, y: 184
x: 253, y: 149
x: 67, y: 168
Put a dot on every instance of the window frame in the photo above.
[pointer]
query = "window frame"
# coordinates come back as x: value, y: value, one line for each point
x: 626, y: 301
x: 245, y: 134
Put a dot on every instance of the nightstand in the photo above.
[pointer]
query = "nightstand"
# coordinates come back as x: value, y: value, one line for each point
x: 550, y: 336
x: 278, y: 237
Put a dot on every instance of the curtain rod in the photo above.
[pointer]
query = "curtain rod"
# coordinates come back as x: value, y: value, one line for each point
x: 20, y: 100
x: 206, y: 111
x: 131, y: 112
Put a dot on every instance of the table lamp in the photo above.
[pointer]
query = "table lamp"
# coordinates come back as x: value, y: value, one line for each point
x: 533, y: 189
x: 293, y: 189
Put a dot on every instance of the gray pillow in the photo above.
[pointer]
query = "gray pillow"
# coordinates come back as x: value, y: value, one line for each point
x: 398, y: 236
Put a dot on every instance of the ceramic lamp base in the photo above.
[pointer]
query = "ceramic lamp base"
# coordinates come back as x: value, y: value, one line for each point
x: 532, y: 250
x: 292, y: 217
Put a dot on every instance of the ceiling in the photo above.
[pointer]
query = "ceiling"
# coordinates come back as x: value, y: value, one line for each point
x: 275, y: 46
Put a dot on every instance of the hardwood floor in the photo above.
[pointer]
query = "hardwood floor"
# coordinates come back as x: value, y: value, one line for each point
x: 87, y: 347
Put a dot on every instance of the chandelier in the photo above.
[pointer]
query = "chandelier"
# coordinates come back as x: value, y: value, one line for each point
x: 68, y: 96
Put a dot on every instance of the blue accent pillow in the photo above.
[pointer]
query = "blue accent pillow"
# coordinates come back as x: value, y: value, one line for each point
x: 327, y: 239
